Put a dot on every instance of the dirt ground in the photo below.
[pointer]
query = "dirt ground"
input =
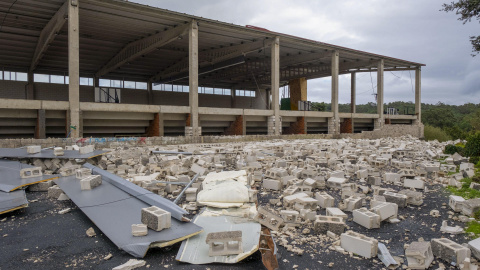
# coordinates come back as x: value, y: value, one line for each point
x: 38, y: 237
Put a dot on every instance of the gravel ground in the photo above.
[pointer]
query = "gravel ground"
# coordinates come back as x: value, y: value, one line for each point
x: 38, y: 237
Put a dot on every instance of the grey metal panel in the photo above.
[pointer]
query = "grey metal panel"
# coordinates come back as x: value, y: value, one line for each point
x: 195, y: 251
x: 140, y: 193
x: 10, y: 176
x: 114, y: 211
x: 47, y: 153
x: 12, y: 200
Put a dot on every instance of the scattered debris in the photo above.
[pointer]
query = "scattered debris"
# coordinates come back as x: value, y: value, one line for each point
x: 91, y: 232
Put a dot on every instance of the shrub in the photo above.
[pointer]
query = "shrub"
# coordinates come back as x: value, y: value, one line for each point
x: 474, y: 159
x: 435, y: 133
x: 472, y: 147
x: 450, y: 149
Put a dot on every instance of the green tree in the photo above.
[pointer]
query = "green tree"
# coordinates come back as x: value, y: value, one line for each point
x: 467, y: 9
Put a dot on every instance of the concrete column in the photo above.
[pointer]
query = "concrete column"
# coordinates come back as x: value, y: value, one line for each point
x: 275, y: 83
x: 380, y: 66
x: 267, y: 99
x: 353, y: 100
x: 30, y: 86
x: 418, y: 94
x: 244, y: 125
x: 40, y: 129
x: 335, y: 125
x: 193, y: 73
x: 298, y: 92
x: 233, y: 97
x: 150, y: 93
x: 73, y: 68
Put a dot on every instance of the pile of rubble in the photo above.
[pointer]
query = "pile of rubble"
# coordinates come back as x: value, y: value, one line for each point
x: 311, y: 193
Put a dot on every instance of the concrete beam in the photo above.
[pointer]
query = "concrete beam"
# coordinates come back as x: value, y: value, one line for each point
x: 143, y: 46
x: 73, y: 68
x: 335, y: 69
x: 193, y: 72
x: 48, y: 34
x: 380, y: 89
x: 418, y: 94
x: 211, y: 57
x: 275, y: 82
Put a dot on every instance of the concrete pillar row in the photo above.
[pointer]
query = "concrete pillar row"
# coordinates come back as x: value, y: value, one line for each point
x: 73, y: 69
x: 334, y: 123
x: 418, y: 94
x: 275, y: 83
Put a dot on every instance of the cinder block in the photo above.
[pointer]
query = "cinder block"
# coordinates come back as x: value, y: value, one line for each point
x: 31, y: 172
x: 419, y: 255
x: 413, y: 197
x: 156, y: 218
x: 475, y: 247
x: 336, y: 212
x: 352, y: 203
x: 42, y: 186
x: 335, y: 182
x: 54, y: 192
x: 290, y: 216
x: 385, y: 210
x: 82, y: 173
x: 469, y: 207
x: 91, y: 182
x: 399, y: 199
x: 86, y: 149
x: 224, y: 243
x: 414, y: 183
x: 58, y: 151
x: 34, y: 149
x: 305, y: 203
x: 268, y: 219
x: 289, y: 201
x: 392, y: 178
x: 323, y: 224
x: 359, y: 244
x: 324, y: 199
x: 272, y: 184
x: 366, y: 218
x: 307, y: 214
x: 139, y: 230
x: 449, y: 251
x: 456, y: 203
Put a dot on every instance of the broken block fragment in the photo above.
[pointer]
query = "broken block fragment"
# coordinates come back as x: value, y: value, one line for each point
x: 34, y: 149
x: 399, y: 199
x: 156, y: 218
x: 58, y: 151
x: 139, y: 229
x: 224, y: 243
x: 419, y: 255
x: 90, y: 182
x: 360, y: 244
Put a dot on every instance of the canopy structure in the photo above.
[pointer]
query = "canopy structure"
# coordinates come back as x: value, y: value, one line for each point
x: 120, y: 42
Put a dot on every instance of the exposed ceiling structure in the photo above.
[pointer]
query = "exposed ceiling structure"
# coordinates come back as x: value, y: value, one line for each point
x: 124, y: 40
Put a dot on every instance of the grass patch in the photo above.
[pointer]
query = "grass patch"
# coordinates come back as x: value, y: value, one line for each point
x: 465, y: 192
x: 473, y: 227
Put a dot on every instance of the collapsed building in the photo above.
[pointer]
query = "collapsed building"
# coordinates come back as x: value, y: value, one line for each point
x: 82, y: 68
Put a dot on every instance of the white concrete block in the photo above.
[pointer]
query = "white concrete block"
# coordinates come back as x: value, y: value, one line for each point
x: 336, y: 212
x: 139, y: 230
x: 34, y: 149
x: 385, y: 210
x: 359, y: 244
x: 324, y: 199
x: 272, y: 184
x: 366, y: 218
x: 456, y: 203
x: 414, y: 183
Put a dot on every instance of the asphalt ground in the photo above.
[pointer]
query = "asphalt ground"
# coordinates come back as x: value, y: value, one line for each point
x: 38, y: 237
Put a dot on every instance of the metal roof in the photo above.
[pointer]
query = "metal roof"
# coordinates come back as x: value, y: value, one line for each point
x: 106, y: 27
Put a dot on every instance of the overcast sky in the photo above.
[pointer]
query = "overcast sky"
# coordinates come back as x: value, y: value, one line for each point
x: 409, y: 29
